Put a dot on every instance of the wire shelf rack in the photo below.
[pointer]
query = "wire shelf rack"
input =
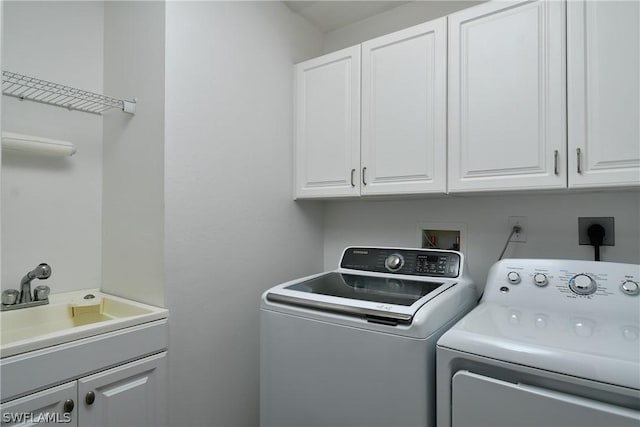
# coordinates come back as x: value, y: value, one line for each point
x: 33, y: 89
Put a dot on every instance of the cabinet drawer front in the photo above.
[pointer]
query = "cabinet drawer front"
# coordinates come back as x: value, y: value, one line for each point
x: 327, y: 122
x: 404, y: 111
x: 507, y: 97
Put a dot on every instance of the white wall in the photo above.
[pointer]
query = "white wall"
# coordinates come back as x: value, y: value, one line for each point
x: 133, y: 179
x: 51, y: 207
x: 552, y: 225
x: 232, y: 228
x: 404, y: 16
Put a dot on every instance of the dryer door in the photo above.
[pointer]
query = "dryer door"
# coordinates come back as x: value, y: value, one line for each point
x: 483, y: 401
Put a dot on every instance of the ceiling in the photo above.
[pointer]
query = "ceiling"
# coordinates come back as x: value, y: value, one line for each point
x: 330, y: 15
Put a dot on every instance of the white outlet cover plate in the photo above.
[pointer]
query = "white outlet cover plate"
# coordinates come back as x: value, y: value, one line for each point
x: 522, y: 222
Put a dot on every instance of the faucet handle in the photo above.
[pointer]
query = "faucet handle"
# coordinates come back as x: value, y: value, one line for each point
x: 41, y: 292
x: 10, y: 296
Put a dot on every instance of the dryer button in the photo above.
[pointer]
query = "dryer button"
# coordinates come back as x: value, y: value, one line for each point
x: 541, y: 321
x: 630, y: 287
x: 514, y: 317
x: 630, y: 333
x: 540, y: 279
x: 583, y: 328
x: 513, y: 277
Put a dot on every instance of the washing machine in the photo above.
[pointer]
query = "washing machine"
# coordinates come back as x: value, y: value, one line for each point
x: 552, y: 343
x: 356, y: 346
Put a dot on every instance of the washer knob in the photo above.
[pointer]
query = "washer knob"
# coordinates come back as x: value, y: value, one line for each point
x: 513, y: 277
x: 540, y: 279
x: 582, y: 284
x: 394, y: 262
x: 630, y: 287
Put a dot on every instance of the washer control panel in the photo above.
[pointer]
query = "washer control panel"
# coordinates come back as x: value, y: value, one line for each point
x: 415, y: 262
x: 524, y: 279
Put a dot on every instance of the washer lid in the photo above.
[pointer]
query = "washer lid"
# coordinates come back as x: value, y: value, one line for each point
x: 591, y: 347
x: 374, y: 296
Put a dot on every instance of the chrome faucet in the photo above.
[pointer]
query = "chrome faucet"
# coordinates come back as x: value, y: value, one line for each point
x: 13, y: 299
x: 42, y: 272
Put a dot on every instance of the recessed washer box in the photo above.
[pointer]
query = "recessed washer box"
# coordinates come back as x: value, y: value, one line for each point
x: 440, y: 235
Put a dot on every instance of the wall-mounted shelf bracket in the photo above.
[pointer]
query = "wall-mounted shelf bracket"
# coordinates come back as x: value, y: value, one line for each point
x: 38, y: 90
x: 129, y: 106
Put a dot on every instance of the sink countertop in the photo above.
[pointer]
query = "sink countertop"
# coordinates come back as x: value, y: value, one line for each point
x: 69, y: 317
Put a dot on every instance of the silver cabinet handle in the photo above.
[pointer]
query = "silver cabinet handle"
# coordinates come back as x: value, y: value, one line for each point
x: 579, y: 154
x: 364, y: 182
x: 555, y: 160
x: 353, y: 172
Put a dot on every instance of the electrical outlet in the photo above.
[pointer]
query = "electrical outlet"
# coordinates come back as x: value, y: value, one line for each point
x: 520, y: 221
x: 609, y: 230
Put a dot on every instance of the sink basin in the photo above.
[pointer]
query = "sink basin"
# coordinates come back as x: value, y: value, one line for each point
x: 69, y: 316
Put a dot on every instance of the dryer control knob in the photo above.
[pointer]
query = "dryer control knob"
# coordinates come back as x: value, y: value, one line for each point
x: 513, y: 277
x: 540, y: 279
x: 582, y: 284
x: 630, y: 287
x: 394, y: 262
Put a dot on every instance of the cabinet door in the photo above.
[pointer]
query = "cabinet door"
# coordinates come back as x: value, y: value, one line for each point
x: 327, y: 125
x: 404, y: 111
x: 507, y: 97
x: 603, y: 49
x: 128, y: 395
x: 51, y: 407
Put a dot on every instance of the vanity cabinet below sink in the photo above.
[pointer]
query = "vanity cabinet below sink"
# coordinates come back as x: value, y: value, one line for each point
x: 131, y: 394
x: 103, y: 372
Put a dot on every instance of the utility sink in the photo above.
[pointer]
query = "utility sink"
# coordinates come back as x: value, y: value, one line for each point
x: 68, y: 317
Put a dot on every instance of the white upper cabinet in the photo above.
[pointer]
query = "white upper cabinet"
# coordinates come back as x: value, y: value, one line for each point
x: 519, y: 95
x: 507, y: 97
x: 603, y: 49
x: 327, y: 125
x: 403, y: 145
x: 404, y: 111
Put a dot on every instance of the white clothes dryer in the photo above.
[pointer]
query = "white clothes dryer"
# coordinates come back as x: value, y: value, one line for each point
x: 356, y: 346
x: 552, y: 343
